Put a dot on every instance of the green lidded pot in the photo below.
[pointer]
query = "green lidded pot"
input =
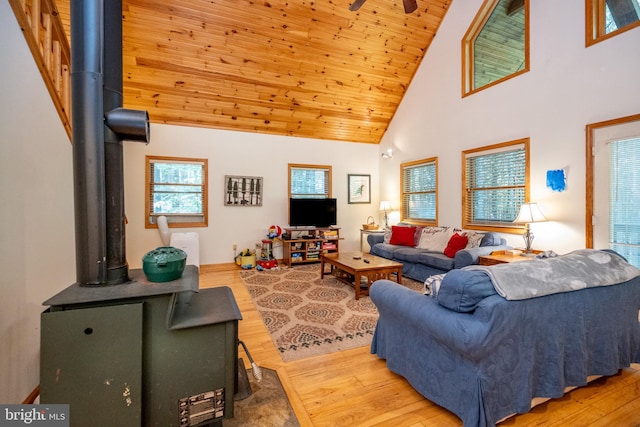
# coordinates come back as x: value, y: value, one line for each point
x: 164, y: 264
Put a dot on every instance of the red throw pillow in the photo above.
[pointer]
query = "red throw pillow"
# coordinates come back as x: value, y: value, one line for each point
x: 456, y: 242
x: 403, y: 236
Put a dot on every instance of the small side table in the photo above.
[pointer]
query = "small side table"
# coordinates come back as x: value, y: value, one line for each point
x: 362, y: 234
x: 501, y: 257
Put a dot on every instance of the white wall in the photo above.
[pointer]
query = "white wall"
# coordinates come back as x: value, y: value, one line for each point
x: 568, y: 87
x: 37, y: 255
x: 236, y: 153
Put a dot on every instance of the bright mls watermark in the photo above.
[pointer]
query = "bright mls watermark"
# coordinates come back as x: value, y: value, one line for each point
x: 34, y: 415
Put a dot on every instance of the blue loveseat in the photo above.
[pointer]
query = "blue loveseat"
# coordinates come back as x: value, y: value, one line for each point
x: 484, y: 357
x: 418, y: 264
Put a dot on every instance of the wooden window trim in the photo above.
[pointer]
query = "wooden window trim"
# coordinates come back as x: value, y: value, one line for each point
x: 306, y: 166
x: 403, y: 208
x: 595, y: 20
x: 502, y: 229
x: 147, y: 193
x: 467, y: 48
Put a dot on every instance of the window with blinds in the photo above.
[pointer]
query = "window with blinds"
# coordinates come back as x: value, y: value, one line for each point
x: 496, y: 180
x: 309, y: 181
x: 176, y: 188
x: 624, y: 203
x: 419, y: 184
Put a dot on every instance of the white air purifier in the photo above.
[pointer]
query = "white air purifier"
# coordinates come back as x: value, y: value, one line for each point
x: 188, y: 242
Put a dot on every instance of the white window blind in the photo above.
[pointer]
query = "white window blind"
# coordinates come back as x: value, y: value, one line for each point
x: 176, y: 189
x: 624, y: 199
x: 419, y: 191
x: 310, y: 181
x: 495, y: 183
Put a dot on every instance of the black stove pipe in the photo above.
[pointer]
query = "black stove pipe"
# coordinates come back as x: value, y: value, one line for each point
x: 88, y: 141
x: 117, y: 271
x: 99, y: 124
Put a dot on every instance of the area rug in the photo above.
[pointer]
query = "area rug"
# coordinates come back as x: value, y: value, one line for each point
x: 308, y: 316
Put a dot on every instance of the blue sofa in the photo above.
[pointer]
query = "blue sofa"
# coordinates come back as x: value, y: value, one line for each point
x: 418, y: 264
x: 485, y: 357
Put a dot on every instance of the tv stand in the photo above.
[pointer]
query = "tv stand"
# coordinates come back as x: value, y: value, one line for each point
x: 306, y: 244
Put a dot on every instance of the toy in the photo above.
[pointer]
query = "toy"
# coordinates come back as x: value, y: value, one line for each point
x: 274, y: 231
x: 266, y: 260
x: 246, y: 259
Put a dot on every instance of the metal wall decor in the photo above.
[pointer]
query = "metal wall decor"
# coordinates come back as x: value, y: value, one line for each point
x: 359, y: 187
x: 243, y: 190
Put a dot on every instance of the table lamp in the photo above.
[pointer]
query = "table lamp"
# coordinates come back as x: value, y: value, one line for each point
x: 529, y: 212
x: 385, y: 206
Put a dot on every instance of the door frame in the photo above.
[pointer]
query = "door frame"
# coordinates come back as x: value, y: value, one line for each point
x: 590, y: 130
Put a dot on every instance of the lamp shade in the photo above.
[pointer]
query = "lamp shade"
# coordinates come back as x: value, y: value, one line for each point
x: 529, y: 212
x: 385, y: 206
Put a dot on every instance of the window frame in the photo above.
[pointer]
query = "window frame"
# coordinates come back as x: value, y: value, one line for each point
x: 468, y: 41
x: 467, y: 211
x: 328, y: 184
x: 595, y: 12
x: 175, y: 220
x: 404, y: 209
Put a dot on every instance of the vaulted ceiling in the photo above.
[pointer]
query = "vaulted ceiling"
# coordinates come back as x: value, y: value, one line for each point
x: 285, y: 67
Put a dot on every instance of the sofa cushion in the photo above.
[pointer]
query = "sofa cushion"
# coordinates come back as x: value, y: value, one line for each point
x: 386, y: 250
x: 435, y: 259
x: 404, y: 236
x: 456, y: 243
x: 462, y: 290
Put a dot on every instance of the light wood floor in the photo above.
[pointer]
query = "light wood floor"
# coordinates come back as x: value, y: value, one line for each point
x: 354, y: 388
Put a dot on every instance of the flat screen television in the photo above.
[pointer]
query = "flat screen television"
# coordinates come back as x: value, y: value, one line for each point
x: 312, y: 212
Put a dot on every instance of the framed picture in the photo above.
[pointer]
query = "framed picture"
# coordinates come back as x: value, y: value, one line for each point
x: 243, y: 190
x: 359, y: 188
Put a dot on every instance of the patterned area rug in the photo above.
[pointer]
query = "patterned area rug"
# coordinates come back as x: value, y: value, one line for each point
x: 308, y: 316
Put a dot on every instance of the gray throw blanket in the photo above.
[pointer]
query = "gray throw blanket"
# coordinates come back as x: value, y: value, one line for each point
x: 579, y: 269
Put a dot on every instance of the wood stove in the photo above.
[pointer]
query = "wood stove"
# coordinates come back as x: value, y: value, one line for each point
x: 119, y: 349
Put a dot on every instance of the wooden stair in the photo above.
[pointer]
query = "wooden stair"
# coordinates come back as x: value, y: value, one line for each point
x: 42, y: 28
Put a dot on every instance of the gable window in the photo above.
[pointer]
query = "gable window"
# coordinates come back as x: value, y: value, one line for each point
x: 309, y: 181
x: 419, y: 185
x: 496, y: 45
x: 608, y: 18
x: 496, y: 184
x: 176, y: 188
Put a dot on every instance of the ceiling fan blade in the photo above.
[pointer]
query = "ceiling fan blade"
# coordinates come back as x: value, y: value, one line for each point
x: 410, y: 5
x: 356, y: 5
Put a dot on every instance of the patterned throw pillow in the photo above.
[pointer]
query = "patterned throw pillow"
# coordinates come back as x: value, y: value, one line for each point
x: 474, y: 239
x: 435, y: 238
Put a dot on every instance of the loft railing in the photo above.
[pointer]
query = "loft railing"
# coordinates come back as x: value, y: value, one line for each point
x: 42, y: 28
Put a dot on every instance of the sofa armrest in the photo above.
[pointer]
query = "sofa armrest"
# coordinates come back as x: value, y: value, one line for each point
x: 466, y: 257
x: 420, y: 315
x: 372, y: 239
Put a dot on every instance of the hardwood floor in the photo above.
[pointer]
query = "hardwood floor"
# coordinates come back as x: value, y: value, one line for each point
x: 354, y: 388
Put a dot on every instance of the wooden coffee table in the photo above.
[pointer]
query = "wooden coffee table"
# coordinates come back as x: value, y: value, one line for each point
x: 348, y: 268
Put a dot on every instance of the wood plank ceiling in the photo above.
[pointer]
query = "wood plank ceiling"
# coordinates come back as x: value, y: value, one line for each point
x: 300, y: 68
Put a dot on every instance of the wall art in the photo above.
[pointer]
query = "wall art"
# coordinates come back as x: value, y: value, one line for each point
x: 359, y: 188
x: 243, y: 190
